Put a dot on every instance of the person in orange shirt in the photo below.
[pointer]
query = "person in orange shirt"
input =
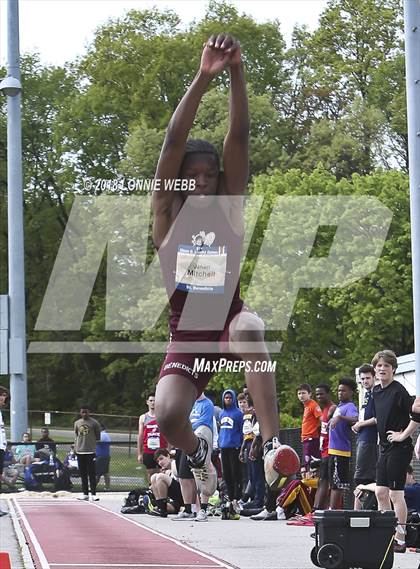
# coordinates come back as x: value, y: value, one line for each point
x: 311, y: 423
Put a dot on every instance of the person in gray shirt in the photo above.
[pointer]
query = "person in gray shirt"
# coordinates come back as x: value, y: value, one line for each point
x: 87, y: 431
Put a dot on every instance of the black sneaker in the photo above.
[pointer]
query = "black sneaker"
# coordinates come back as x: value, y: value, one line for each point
x: 399, y: 548
x: 157, y: 512
x: 253, y: 505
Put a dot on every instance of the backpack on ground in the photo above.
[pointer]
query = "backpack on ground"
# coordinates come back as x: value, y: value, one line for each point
x: 133, y: 503
x: 295, y: 498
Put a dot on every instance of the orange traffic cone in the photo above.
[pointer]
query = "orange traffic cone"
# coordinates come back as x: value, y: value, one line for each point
x: 5, y: 560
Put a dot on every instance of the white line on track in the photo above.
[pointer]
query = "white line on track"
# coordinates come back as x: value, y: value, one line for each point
x: 176, y: 541
x: 182, y: 566
x: 24, y: 549
x: 35, y: 542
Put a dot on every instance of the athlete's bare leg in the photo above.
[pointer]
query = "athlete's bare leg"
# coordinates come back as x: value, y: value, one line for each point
x: 160, y: 484
x: 245, y: 328
x: 175, y: 397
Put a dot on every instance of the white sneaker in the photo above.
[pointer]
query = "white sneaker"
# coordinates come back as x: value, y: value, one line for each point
x: 84, y: 498
x: 94, y: 498
x: 201, y: 516
x: 269, y: 453
x: 236, y: 507
x: 206, y: 479
x: 183, y: 517
x: 202, y: 468
x: 202, y: 455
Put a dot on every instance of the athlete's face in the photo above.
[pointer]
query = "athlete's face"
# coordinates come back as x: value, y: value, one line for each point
x: 3, y: 397
x: 243, y: 405
x: 303, y: 395
x: 228, y: 400
x: 384, y: 371
x: 202, y: 168
x: 322, y: 396
x: 151, y: 403
x: 84, y: 413
x: 164, y: 462
x: 345, y: 394
x: 368, y: 380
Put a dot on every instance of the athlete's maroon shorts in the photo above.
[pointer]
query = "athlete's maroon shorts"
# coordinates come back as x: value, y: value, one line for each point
x: 184, y: 364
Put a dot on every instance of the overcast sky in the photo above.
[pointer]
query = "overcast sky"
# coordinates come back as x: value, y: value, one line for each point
x: 60, y: 30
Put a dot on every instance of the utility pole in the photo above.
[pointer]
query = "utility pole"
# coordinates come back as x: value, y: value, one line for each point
x: 12, y: 88
x: 412, y: 66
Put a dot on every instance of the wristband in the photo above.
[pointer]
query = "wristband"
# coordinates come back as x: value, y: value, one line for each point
x: 415, y: 417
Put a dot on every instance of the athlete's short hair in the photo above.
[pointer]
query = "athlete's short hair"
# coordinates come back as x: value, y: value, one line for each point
x: 349, y: 382
x: 304, y: 387
x: 324, y: 386
x: 4, y: 391
x: 367, y: 368
x: 161, y: 452
x: 199, y: 146
x: 388, y: 356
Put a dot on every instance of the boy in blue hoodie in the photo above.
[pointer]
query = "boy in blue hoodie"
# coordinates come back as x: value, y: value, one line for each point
x: 230, y: 442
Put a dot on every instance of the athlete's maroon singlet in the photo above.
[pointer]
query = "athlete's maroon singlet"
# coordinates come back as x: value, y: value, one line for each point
x: 200, y: 262
x: 200, y: 265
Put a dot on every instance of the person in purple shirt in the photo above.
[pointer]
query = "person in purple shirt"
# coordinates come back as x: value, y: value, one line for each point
x: 339, y: 449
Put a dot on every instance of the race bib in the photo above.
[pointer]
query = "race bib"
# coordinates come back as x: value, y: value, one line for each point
x: 153, y: 442
x: 247, y: 428
x: 201, y: 270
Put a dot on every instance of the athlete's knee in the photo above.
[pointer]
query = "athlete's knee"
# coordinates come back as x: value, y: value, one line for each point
x: 170, y: 419
x: 246, y: 328
x: 159, y: 476
x: 382, y: 492
x: 397, y: 496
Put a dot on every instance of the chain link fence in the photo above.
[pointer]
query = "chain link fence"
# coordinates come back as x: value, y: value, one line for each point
x: 124, y: 471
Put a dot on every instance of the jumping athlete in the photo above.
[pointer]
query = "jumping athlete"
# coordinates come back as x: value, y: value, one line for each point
x: 199, y: 236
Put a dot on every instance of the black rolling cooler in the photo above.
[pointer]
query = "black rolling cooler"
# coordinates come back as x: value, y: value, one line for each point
x: 351, y: 538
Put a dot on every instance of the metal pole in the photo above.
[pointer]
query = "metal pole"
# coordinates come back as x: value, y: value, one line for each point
x: 412, y: 64
x: 17, y: 330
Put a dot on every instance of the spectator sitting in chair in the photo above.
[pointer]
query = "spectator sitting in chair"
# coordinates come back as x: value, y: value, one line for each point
x: 165, y: 485
x: 70, y: 462
x: 11, y: 471
x: 46, y: 442
x: 24, y: 453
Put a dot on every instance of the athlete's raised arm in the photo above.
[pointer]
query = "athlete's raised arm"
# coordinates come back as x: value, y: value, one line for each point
x: 166, y: 204
x: 235, y: 147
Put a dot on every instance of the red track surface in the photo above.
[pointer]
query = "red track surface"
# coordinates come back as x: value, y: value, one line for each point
x: 78, y: 535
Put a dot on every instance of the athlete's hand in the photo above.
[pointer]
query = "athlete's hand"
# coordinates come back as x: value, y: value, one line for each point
x: 356, y: 427
x: 140, y: 458
x: 334, y: 421
x: 235, y: 54
x: 217, y: 52
x: 394, y: 437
